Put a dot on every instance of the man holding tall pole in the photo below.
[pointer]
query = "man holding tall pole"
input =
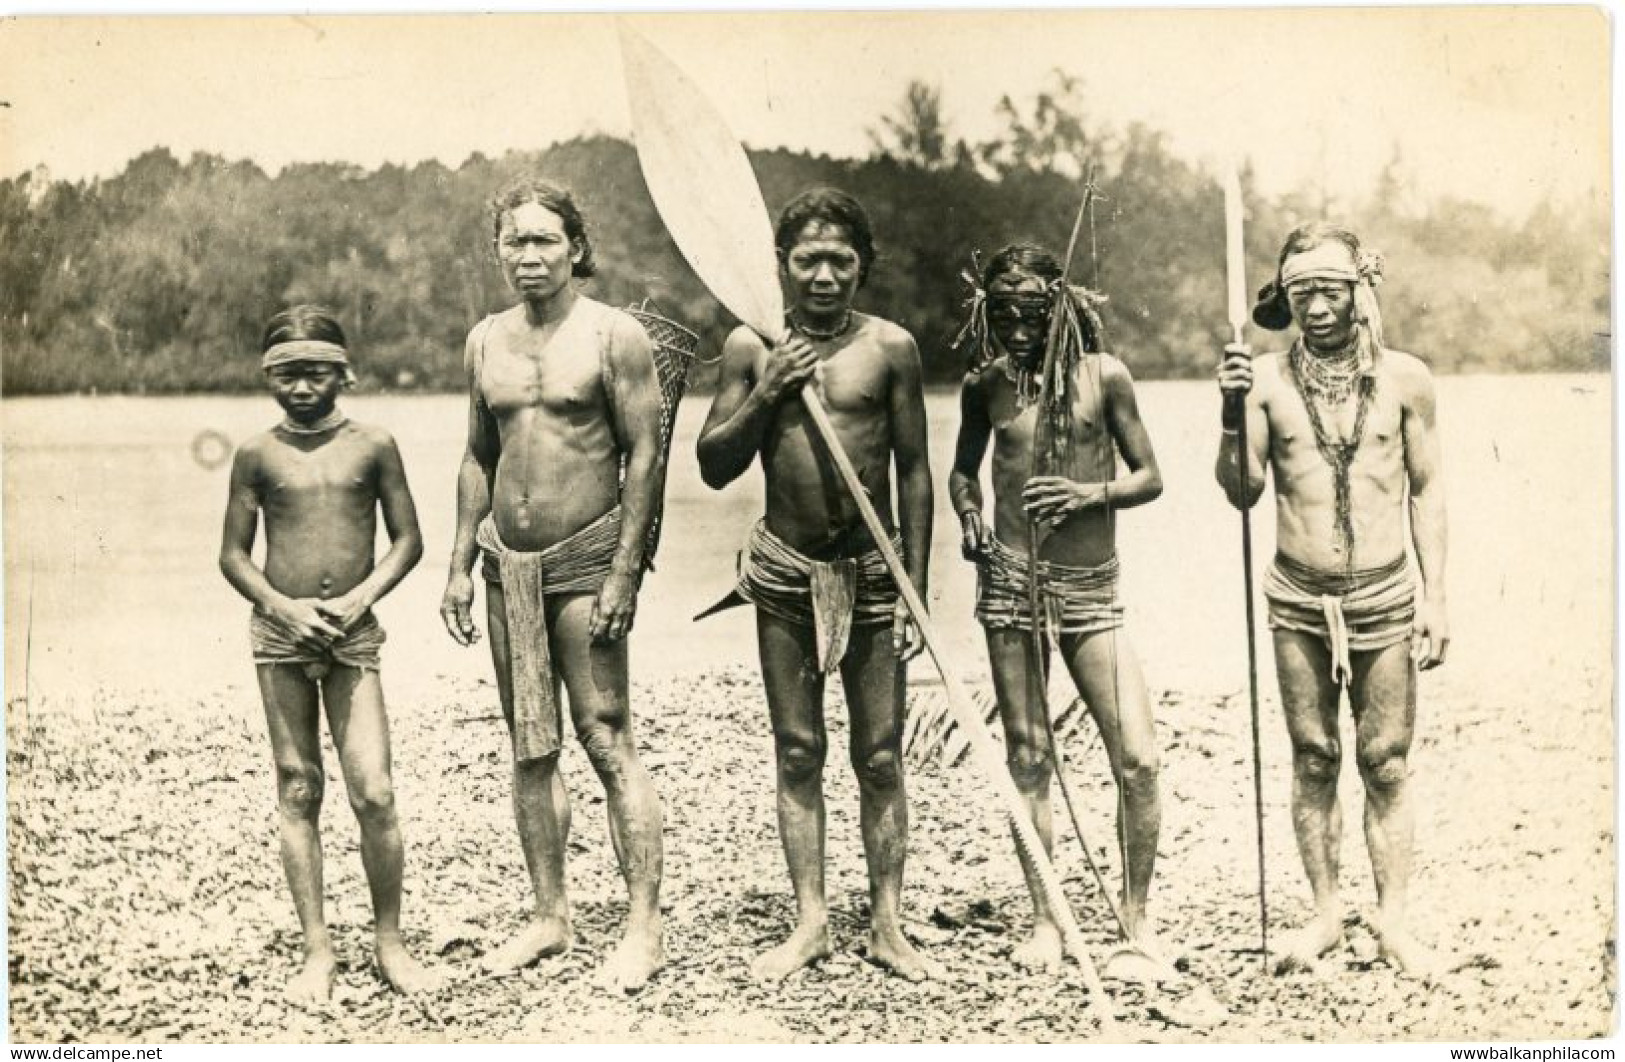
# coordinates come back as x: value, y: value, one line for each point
x: 824, y: 598
x: 1072, y: 432
x: 1349, y: 428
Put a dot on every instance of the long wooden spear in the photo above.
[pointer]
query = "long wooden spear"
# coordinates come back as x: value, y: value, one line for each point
x: 1235, y: 418
x: 1038, y: 670
x: 702, y: 184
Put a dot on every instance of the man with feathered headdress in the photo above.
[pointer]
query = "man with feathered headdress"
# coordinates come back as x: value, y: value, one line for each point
x: 1057, y: 425
x: 1349, y: 427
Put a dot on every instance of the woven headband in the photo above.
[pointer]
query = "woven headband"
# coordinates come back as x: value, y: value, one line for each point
x: 1327, y: 261
x: 304, y: 350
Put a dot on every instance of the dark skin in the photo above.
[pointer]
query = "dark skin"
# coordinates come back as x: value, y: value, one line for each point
x: 868, y: 377
x: 1074, y: 509
x: 319, y: 496
x: 549, y: 423
x: 1070, y: 503
x: 1396, y: 473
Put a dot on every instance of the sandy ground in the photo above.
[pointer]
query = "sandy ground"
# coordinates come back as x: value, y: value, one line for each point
x: 146, y: 901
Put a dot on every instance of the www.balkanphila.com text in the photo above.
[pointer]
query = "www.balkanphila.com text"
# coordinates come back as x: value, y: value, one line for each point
x: 1532, y: 1054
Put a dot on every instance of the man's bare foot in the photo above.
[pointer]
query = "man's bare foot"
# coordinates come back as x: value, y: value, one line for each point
x: 1404, y: 952
x: 538, y: 940
x: 888, y: 948
x: 807, y: 944
x: 1303, y: 946
x: 1142, y: 960
x: 1042, y: 951
x: 638, y: 957
x: 404, y: 973
x: 314, y: 981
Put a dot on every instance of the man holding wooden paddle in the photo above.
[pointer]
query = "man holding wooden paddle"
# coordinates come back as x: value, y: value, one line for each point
x: 824, y: 599
x: 1057, y: 426
x: 1349, y: 428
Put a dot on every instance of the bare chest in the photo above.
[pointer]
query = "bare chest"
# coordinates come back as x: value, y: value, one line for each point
x: 855, y: 381
x: 1086, y: 446
x: 1307, y: 429
x: 338, y: 473
x: 854, y: 387
x: 560, y: 374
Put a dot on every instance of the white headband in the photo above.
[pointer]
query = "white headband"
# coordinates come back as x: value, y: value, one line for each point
x: 308, y: 350
x: 1327, y: 261
x: 1333, y: 260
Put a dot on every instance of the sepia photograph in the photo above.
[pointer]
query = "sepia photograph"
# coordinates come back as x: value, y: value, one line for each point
x: 934, y: 526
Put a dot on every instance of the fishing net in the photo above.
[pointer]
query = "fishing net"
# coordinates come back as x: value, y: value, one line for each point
x: 674, y: 351
x: 1076, y: 332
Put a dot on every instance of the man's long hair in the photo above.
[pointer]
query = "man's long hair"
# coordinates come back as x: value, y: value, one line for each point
x: 550, y: 196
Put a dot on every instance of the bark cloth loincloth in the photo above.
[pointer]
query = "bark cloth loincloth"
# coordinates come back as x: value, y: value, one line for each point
x: 830, y: 596
x: 577, y: 565
x: 1076, y: 600
x: 1366, y: 610
x: 358, y: 648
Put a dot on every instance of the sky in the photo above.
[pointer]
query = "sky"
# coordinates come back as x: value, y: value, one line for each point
x: 1500, y: 105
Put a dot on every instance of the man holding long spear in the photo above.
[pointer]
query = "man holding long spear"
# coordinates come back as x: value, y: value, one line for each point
x: 824, y: 599
x: 1349, y: 427
x: 1070, y: 429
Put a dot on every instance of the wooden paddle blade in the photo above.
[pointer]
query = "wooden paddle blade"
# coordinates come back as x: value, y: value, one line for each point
x: 707, y: 195
x: 703, y: 186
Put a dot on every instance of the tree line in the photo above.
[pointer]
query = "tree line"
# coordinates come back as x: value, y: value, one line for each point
x: 160, y: 279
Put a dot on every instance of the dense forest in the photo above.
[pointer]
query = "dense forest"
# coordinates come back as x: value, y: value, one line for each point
x: 160, y: 279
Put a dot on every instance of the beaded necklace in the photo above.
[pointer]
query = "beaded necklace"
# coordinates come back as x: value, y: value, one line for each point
x: 1332, y: 378
x: 1025, y: 380
x: 335, y: 419
x: 1332, y: 381
x: 813, y: 333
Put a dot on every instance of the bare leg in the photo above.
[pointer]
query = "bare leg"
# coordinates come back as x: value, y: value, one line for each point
x: 596, y: 678
x: 795, y: 695
x: 874, y: 682
x: 355, y: 712
x: 1383, y: 695
x: 291, y: 715
x: 1107, y: 674
x: 1031, y: 762
x: 1309, y: 699
x: 542, y: 810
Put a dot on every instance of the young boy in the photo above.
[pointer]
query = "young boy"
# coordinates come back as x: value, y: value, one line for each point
x: 319, y: 480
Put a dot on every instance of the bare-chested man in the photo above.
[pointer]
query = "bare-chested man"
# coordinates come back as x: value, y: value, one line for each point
x: 1349, y: 428
x: 823, y: 597
x: 1073, y: 498
x: 320, y: 480
x: 562, y: 397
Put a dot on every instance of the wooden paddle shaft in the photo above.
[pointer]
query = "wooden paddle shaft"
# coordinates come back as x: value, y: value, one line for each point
x: 702, y: 184
x: 959, y: 703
